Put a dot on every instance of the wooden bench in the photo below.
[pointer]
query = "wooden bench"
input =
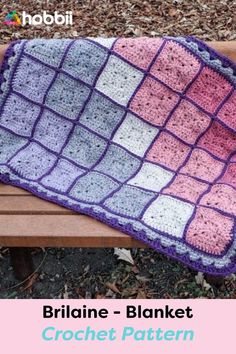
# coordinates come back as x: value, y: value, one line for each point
x: 27, y: 221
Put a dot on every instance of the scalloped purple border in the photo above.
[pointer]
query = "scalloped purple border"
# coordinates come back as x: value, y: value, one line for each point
x: 9, y: 53
x: 227, y: 62
x: 114, y: 222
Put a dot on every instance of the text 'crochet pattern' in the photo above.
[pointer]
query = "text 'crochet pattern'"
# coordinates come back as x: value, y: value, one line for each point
x: 138, y: 133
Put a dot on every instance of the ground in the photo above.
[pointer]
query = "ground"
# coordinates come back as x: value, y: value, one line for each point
x: 97, y: 273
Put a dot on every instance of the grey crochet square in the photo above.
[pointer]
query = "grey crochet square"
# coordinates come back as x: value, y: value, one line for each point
x: 129, y: 201
x: 19, y: 115
x: 52, y: 130
x: 33, y: 161
x: 101, y: 115
x: 50, y: 52
x: 84, y: 60
x: 93, y: 187
x: 9, y: 144
x: 32, y: 79
x: 67, y: 96
x: 84, y: 147
x: 118, y: 163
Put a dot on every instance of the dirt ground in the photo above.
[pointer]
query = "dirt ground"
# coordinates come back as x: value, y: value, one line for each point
x: 97, y: 273
x: 207, y: 19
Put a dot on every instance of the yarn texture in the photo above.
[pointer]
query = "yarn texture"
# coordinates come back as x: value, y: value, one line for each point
x: 138, y: 133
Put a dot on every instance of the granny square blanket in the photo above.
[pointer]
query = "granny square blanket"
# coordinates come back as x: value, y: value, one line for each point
x: 138, y: 133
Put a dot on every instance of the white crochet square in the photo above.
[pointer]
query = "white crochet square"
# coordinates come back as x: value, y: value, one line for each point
x: 119, y: 80
x: 151, y: 177
x: 135, y: 135
x: 105, y: 42
x: 168, y: 215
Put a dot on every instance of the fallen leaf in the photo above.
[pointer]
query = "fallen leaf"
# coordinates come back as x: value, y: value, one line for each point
x: 125, y: 279
x: 57, y: 35
x: 65, y: 294
x: 80, y: 292
x: 30, y: 283
x: 141, y: 295
x: 135, y: 269
x: 206, y: 285
x: 86, y: 269
x: 75, y: 34
x: 112, y: 287
x: 172, y: 12
x: 200, y: 280
x: 124, y: 255
x: 142, y: 278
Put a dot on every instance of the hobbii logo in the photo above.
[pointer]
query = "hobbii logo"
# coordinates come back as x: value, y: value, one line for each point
x: 47, y: 19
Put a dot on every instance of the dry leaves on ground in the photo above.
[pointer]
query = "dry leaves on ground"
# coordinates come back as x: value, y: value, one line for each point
x: 207, y: 19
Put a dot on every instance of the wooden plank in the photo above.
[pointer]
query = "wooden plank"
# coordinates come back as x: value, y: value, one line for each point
x: 227, y: 48
x: 60, y: 231
x: 29, y: 204
x: 10, y: 190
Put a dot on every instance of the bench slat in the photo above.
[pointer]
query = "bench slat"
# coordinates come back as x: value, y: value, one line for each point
x: 10, y: 190
x: 63, y: 230
x: 30, y: 205
x: 227, y: 48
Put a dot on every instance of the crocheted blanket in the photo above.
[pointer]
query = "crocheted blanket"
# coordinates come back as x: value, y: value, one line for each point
x: 138, y: 133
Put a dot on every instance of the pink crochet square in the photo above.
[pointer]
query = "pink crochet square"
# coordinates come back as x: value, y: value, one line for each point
x: 233, y: 158
x: 153, y: 101
x: 175, y: 66
x: 228, y: 111
x: 168, y: 151
x: 139, y: 51
x: 221, y: 197
x: 229, y: 176
x: 209, y: 89
x: 203, y: 166
x: 186, y: 187
x: 219, y: 140
x: 210, y: 231
x: 188, y: 122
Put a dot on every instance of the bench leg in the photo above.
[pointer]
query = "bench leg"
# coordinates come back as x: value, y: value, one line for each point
x: 214, y: 280
x: 21, y: 261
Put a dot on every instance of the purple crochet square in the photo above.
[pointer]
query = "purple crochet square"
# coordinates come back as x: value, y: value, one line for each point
x: 84, y: 60
x: 62, y: 176
x: 67, y: 96
x: 32, y: 162
x: 84, y: 147
x: 32, y: 79
x: 93, y: 187
x: 9, y: 144
x: 19, y: 115
x: 50, y: 52
x: 52, y: 130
